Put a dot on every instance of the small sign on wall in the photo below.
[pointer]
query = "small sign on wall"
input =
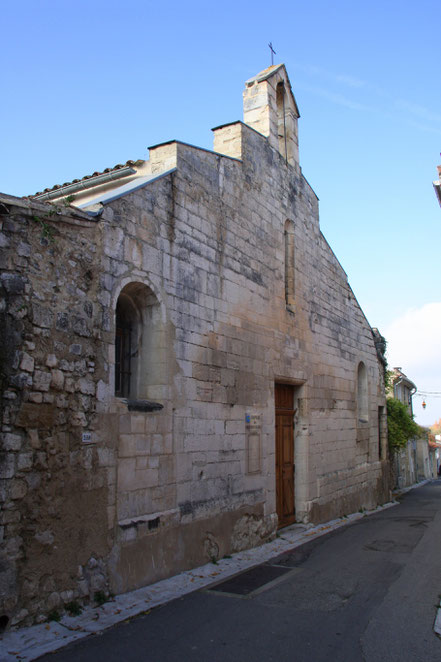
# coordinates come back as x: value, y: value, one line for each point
x: 253, y: 445
x: 86, y: 437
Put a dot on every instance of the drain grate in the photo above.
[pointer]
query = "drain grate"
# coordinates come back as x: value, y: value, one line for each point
x: 251, y: 580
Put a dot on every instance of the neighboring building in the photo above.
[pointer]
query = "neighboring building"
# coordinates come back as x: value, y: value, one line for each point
x: 403, y: 389
x: 434, y: 453
x: 415, y: 461
x: 437, y: 185
x: 184, y: 365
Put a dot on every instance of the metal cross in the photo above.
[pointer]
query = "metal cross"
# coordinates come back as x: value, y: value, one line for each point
x: 273, y: 53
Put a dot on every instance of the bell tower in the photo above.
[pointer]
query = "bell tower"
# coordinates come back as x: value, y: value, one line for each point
x: 270, y: 108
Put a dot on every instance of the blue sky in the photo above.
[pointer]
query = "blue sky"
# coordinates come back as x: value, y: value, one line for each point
x: 90, y: 84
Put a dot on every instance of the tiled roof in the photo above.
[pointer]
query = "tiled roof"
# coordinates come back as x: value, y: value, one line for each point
x: 118, y: 166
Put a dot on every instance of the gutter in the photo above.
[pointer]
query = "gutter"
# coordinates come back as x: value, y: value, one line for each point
x: 83, y: 185
x: 411, y: 394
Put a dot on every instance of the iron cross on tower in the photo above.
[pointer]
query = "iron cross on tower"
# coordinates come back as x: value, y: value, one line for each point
x: 273, y: 52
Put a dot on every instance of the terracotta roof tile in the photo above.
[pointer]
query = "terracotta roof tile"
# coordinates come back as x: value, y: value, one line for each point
x: 118, y: 166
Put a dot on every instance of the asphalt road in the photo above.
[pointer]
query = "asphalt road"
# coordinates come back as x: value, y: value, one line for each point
x: 367, y: 592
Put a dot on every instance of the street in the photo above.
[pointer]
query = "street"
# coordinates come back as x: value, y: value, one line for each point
x: 367, y: 592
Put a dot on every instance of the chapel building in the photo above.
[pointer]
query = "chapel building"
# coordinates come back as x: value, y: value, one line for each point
x: 185, y: 368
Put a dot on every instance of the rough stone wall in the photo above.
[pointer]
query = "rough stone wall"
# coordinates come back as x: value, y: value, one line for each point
x: 104, y: 493
x: 50, y: 329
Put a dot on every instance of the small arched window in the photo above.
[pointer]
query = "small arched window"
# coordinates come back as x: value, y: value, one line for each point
x: 140, y: 352
x: 362, y: 393
x: 126, y: 344
x: 281, y: 120
x: 289, y: 264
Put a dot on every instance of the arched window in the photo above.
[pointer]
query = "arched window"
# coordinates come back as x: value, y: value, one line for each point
x: 289, y: 264
x: 281, y: 120
x: 127, y: 325
x: 140, y: 352
x: 362, y: 393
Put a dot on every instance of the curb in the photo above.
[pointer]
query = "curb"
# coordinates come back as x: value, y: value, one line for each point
x: 437, y: 623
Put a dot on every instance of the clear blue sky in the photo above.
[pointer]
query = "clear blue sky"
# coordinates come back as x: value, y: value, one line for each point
x: 90, y: 84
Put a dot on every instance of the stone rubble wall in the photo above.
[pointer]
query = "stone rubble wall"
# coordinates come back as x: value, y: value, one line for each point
x: 53, y: 490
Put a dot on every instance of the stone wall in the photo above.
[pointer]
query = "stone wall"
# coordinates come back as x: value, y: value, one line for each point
x: 50, y: 362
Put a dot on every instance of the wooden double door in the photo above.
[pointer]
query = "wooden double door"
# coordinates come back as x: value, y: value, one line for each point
x: 285, y: 467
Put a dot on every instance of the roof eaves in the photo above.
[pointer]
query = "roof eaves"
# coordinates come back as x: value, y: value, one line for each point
x: 130, y: 187
x: 88, y: 181
x: 84, y: 185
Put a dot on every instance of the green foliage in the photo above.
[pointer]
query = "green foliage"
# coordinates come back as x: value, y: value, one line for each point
x: 388, y: 379
x: 400, y: 424
x: 100, y: 597
x: 68, y: 200
x: 54, y: 615
x: 73, y: 608
x: 47, y: 233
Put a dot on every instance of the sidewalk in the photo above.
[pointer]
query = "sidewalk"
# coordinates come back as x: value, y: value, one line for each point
x: 32, y: 642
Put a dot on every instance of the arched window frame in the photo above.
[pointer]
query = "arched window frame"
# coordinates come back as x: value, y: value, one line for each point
x: 127, y: 325
x: 362, y: 393
x: 289, y: 241
x: 140, y: 369
x: 281, y: 120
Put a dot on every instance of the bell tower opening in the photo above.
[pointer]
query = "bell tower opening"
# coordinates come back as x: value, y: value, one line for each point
x: 281, y: 120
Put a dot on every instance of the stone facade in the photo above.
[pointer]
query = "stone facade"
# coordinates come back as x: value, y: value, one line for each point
x: 414, y: 462
x: 144, y: 328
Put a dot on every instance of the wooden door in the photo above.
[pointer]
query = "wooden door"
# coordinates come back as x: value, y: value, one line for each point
x: 284, y: 397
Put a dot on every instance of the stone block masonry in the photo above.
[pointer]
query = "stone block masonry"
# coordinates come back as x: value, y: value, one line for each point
x: 143, y: 336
